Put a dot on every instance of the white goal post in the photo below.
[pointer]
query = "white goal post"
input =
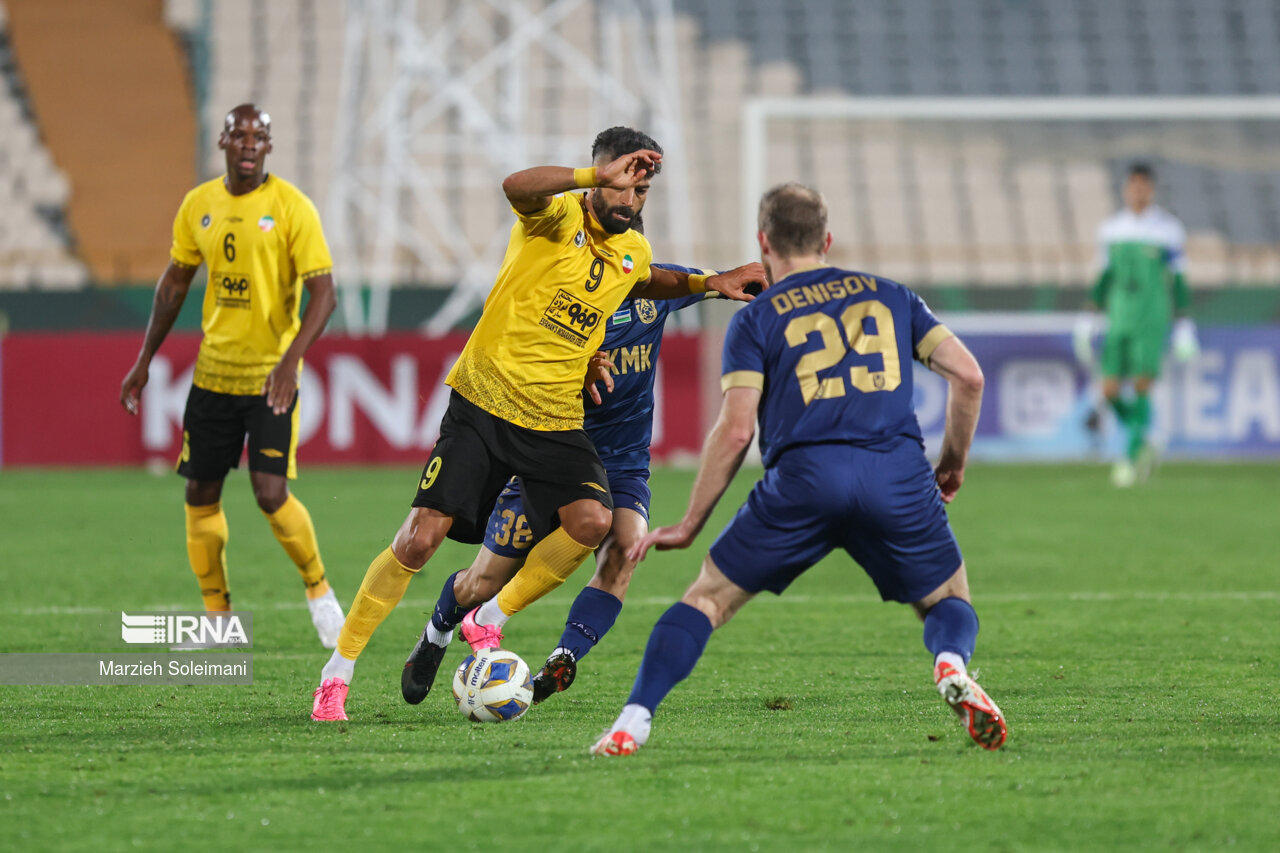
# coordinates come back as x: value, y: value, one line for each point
x: 760, y: 113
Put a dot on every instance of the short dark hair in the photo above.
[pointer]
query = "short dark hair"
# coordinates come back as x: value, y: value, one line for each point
x: 1143, y: 170
x: 616, y: 141
x: 249, y: 107
x: 794, y: 218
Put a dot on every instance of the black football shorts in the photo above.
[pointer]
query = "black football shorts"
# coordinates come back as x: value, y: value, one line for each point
x: 214, y: 427
x: 477, y: 454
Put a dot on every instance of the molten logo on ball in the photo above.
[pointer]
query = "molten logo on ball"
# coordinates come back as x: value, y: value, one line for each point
x: 492, y: 686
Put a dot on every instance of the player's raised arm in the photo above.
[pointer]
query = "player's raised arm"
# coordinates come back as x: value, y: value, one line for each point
x: 952, y: 360
x: 530, y: 190
x: 722, y: 456
x: 741, y: 283
x: 171, y: 292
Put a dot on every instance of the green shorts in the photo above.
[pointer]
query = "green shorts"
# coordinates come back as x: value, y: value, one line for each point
x: 1125, y: 355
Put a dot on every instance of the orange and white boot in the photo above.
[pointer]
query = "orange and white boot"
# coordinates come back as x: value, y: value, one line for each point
x: 980, y: 716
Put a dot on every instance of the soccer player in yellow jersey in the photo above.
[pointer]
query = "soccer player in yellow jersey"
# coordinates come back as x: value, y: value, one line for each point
x: 262, y: 241
x: 516, y: 405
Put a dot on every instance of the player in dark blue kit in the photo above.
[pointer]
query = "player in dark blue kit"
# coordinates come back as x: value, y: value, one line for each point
x: 620, y: 424
x: 824, y: 359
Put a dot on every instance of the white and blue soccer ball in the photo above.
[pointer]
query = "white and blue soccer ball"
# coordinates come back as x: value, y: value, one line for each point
x: 492, y: 686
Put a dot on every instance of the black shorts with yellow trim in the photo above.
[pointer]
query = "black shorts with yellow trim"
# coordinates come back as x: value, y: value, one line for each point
x: 214, y: 428
x: 477, y: 454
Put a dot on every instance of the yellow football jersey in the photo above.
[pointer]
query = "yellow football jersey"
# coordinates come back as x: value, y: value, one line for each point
x: 259, y: 247
x: 562, y: 278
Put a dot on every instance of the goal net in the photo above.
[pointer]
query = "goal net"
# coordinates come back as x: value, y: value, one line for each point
x: 1009, y: 192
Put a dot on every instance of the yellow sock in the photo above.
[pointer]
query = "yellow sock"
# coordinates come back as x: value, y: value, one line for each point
x: 549, y: 564
x: 380, y: 591
x: 207, y: 549
x: 291, y: 524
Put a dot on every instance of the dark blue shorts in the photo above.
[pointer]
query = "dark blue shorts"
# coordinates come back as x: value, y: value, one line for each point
x: 507, y: 533
x: 881, y: 507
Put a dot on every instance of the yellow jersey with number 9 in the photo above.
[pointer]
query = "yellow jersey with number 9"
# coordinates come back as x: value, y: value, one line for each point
x: 259, y: 248
x: 562, y: 278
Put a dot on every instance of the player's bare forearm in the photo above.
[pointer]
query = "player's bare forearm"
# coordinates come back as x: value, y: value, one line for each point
x: 953, y: 361
x: 740, y: 283
x: 282, y: 382
x: 322, y: 298
x: 964, y: 405
x: 530, y: 190
x: 722, y: 456
x: 171, y: 292
x: 722, y: 453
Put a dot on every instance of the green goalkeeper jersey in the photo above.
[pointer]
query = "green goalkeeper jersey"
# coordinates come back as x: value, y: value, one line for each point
x: 1141, y: 259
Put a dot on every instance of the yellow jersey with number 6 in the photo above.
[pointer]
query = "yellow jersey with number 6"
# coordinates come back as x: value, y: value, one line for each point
x: 259, y: 248
x: 562, y: 278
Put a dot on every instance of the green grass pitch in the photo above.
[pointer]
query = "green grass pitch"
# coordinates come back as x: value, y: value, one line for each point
x: 1130, y: 637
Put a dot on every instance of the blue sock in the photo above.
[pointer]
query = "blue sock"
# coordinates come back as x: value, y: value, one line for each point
x: 592, y: 615
x: 674, y: 647
x: 448, y: 613
x: 951, y: 625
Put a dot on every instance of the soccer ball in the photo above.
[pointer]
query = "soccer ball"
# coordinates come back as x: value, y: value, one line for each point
x: 492, y: 686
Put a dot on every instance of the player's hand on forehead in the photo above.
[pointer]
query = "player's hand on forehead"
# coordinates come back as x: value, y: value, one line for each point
x: 629, y: 170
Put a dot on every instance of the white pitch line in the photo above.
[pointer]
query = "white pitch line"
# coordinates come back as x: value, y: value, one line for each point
x: 654, y: 601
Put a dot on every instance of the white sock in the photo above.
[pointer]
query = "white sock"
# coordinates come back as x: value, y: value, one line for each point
x: 338, y: 667
x: 491, y: 614
x: 635, y: 720
x: 438, y: 638
x: 953, y: 659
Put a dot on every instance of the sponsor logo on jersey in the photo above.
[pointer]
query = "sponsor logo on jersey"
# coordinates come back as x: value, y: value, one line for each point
x: 266, y: 223
x: 233, y: 288
x: 579, y: 239
x: 627, y: 264
x: 646, y: 311
x: 570, y: 317
x: 205, y: 220
x: 271, y: 452
x: 596, y: 486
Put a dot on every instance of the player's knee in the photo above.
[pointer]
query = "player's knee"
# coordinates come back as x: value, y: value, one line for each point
x: 415, y: 548
x: 417, y: 539
x: 203, y: 492
x: 271, y: 495
x: 586, y: 522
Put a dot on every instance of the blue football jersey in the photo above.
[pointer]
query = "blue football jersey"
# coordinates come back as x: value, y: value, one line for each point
x: 831, y: 352
x: 622, y: 426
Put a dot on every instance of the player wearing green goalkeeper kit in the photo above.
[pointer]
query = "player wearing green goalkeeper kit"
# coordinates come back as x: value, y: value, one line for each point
x: 1141, y: 287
